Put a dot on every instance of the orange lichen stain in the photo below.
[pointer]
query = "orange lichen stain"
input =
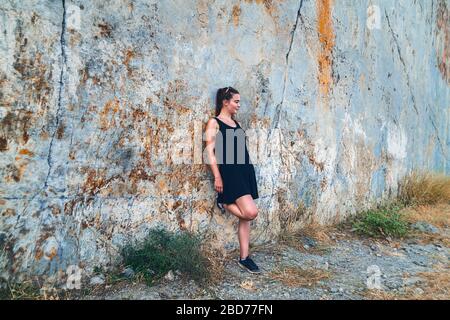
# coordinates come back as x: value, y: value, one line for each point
x: 10, y: 212
x: 139, y: 174
x: 313, y: 161
x: 15, y: 126
x: 129, y: 54
x: 443, y: 40
x: 94, y: 182
x: 35, y: 75
x: 147, y: 153
x: 271, y: 9
x: 162, y: 186
x: 235, y: 14
x: 15, y: 172
x: 2, y: 202
x: 107, y: 115
x: 26, y: 152
x: 268, y: 4
x: 326, y: 39
x: 39, y: 254
x: 53, y: 252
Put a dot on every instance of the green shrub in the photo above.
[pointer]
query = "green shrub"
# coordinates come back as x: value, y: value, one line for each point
x: 163, y: 251
x: 381, y: 222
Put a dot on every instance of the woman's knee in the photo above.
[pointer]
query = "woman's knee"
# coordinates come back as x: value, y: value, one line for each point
x: 251, y: 213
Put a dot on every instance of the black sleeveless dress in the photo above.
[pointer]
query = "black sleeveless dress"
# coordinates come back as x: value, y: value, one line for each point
x: 235, y: 166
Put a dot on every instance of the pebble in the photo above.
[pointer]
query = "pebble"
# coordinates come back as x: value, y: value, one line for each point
x: 97, y: 280
x: 169, y: 276
x: 425, y: 227
x: 128, y: 273
x: 418, y: 291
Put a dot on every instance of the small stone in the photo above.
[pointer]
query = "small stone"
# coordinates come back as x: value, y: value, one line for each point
x: 412, y: 281
x: 425, y: 227
x: 309, y: 242
x: 418, y: 291
x: 420, y: 263
x: 169, y: 276
x: 341, y: 290
x: 128, y: 273
x: 97, y: 280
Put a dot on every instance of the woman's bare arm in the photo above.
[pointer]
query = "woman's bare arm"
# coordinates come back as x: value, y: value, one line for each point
x: 211, y: 130
x: 212, y: 127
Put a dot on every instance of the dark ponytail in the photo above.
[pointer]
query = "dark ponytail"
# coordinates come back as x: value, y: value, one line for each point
x: 224, y: 94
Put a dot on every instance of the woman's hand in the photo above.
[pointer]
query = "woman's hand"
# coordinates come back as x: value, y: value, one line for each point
x: 218, y: 184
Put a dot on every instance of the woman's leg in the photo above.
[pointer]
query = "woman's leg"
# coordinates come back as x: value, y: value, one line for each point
x: 247, y: 206
x: 234, y: 209
x: 244, y: 237
x: 243, y: 229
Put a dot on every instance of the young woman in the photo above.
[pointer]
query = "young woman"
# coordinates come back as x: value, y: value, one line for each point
x: 234, y: 174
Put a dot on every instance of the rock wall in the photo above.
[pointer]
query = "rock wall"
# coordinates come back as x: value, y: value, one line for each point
x: 103, y: 105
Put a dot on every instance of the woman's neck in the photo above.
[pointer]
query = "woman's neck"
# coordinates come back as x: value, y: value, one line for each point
x: 225, y: 115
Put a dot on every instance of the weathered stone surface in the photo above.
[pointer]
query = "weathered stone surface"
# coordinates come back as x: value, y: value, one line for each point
x: 97, y: 97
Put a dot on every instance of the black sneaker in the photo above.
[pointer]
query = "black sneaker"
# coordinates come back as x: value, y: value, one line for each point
x: 249, y: 265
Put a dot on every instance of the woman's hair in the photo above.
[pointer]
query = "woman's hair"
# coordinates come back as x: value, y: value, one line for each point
x: 224, y: 94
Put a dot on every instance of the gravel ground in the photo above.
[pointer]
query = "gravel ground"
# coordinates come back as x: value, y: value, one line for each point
x: 348, y: 261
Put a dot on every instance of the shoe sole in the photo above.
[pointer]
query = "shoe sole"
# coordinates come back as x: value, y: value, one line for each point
x: 248, y: 270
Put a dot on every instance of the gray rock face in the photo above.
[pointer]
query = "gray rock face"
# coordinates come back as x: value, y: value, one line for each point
x: 102, y: 108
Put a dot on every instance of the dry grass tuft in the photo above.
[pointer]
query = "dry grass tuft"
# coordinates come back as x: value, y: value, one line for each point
x: 28, y: 290
x: 436, y: 285
x: 297, y: 277
x: 438, y: 215
x: 321, y: 234
x: 216, y: 258
x: 422, y: 188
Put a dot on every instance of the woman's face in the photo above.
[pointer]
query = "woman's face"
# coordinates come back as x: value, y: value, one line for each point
x: 233, y: 104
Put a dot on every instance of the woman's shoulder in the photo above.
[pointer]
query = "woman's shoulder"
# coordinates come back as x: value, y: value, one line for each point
x: 212, y: 123
x: 212, y: 120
